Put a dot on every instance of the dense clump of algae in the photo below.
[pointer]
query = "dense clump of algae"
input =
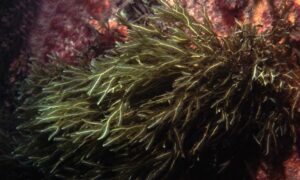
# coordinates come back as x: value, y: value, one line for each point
x: 152, y: 107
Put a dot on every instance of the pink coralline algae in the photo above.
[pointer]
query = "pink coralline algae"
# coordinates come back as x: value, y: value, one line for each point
x: 292, y: 167
x: 63, y: 30
x: 224, y: 13
x: 67, y: 30
x: 289, y: 169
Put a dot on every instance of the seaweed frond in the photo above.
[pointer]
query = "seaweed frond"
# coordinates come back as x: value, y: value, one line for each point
x: 151, y: 108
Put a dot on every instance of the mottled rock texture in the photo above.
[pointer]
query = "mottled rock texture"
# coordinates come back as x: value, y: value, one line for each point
x: 224, y: 13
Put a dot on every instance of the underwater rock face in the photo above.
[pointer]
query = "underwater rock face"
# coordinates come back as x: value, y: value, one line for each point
x: 62, y: 28
x: 16, y: 20
x: 288, y: 170
x: 55, y: 28
x: 65, y: 30
x: 224, y: 13
x: 292, y: 167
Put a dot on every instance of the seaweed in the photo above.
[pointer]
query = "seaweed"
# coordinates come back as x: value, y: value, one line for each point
x: 157, y: 105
